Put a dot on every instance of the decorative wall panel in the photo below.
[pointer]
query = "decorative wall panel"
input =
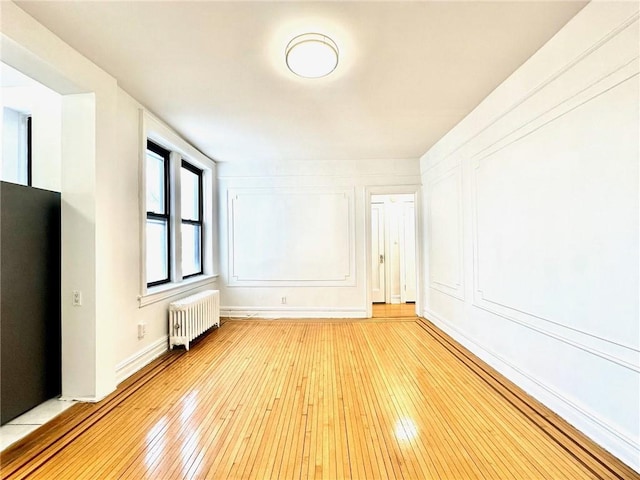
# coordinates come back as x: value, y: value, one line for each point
x: 444, y: 209
x: 291, y: 236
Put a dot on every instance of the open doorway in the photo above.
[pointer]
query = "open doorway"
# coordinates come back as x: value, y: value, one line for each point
x: 393, y: 253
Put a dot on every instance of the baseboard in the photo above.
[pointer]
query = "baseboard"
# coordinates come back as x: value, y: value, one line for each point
x: 131, y: 365
x: 588, y: 423
x: 292, y: 312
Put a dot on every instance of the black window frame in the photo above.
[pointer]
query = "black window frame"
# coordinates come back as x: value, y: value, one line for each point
x: 166, y: 216
x: 29, y: 152
x: 200, y: 220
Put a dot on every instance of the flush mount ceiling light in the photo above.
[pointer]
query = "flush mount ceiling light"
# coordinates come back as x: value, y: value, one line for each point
x: 312, y: 55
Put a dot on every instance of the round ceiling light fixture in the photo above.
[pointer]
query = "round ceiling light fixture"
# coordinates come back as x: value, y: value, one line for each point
x: 312, y: 55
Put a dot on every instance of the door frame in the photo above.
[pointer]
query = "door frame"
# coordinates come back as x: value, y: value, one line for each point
x: 383, y: 243
x: 393, y: 190
x: 403, y: 254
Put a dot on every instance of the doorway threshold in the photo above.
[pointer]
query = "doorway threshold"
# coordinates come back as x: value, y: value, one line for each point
x: 393, y: 310
x: 21, y: 426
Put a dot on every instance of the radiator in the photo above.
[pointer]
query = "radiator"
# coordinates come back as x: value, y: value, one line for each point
x: 191, y: 316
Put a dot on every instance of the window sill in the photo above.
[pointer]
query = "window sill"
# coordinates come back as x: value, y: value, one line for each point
x: 162, y: 292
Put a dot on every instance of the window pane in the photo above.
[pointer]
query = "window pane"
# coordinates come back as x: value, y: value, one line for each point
x: 155, y: 183
x: 14, y: 147
x: 157, y: 246
x: 190, y: 186
x: 191, y: 257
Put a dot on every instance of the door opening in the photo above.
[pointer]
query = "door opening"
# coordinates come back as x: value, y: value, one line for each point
x: 393, y: 255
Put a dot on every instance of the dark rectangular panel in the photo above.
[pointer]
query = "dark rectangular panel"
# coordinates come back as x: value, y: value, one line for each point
x: 30, y: 318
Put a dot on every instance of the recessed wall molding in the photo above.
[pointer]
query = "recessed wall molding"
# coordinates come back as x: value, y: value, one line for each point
x: 619, y: 351
x: 451, y: 290
x: 549, y: 164
x: 291, y: 236
x: 445, y: 233
x: 622, y: 355
x: 586, y: 420
x: 613, y: 55
x: 628, y: 70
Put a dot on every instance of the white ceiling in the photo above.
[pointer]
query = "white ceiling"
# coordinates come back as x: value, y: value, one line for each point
x: 215, y: 71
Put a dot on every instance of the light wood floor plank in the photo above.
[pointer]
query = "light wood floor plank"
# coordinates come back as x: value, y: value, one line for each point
x: 323, y: 399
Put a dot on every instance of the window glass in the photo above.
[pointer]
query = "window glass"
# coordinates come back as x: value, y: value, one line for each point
x: 158, y: 220
x: 15, y: 146
x: 190, y: 188
x: 155, y: 183
x: 191, y: 249
x: 191, y: 224
x: 157, y: 250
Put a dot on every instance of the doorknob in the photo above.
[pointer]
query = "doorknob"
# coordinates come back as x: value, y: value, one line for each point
x: 381, y: 258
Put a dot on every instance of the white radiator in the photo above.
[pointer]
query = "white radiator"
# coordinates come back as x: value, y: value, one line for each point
x: 192, y: 316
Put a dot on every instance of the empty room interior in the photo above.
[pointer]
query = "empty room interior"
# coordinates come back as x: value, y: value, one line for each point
x: 320, y: 239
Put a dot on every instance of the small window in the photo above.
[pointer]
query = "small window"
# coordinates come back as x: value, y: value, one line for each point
x: 158, y: 225
x: 191, y: 224
x: 16, y: 147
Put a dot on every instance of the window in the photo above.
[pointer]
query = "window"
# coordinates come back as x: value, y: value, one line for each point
x: 191, y: 224
x: 158, y: 226
x: 16, y: 146
x: 178, y: 217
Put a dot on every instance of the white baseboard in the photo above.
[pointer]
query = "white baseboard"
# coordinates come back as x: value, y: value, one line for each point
x: 587, y: 422
x: 131, y: 365
x: 292, y: 312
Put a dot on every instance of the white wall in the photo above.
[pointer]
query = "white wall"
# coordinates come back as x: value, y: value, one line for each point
x: 297, y: 230
x: 101, y: 144
x: 126, y: 250
x: 532, y: 244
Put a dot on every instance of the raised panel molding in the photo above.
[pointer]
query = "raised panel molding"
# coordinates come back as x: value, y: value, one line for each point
x: 291, y: 237
x: 607, y: 65
x: 572, y: 99
x: 587, y: 421
x: 626, y: 70
x: 453, y: 286
x: 617, y: 351
x: 614, y: 55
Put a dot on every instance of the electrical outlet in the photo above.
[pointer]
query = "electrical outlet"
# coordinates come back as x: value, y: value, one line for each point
x: 142, y: 330
x: 76, y: 298
x: 283, y: 300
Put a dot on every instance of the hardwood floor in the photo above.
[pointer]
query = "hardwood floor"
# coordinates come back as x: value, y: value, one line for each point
x: 368, y: 399
x: 394, y: 310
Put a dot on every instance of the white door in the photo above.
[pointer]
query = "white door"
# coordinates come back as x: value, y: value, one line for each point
x: 408, y: 293
x: 377, y: 253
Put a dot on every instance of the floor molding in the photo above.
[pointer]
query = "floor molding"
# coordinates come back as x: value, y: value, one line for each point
x: 145, y: 356
x: 292, y: 312
x: 595, y: 458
